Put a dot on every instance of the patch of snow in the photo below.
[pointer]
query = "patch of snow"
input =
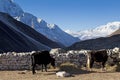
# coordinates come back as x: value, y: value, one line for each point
x: 13, y: 27
x: 51, y: 31
x: 101, y: 31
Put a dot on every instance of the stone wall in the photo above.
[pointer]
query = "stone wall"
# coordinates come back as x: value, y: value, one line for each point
x: 15, y: 61
x: 22, y: 61
x: 77, y: 59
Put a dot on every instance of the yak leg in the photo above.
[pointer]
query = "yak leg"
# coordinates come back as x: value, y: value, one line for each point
x: 45, y: 67
x: 33, y: 68
x: 42, y: 67
x: 88, y: 62
x: 91, y: 64
x: 103, y: 66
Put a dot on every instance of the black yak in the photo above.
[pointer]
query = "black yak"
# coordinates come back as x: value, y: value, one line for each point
x: 41, y: 58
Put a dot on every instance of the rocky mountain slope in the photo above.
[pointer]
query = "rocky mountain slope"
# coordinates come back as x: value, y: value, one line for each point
x: 99, y: 43
x: 16, y: 36
x: 115, y: 33
x: 51, y: 31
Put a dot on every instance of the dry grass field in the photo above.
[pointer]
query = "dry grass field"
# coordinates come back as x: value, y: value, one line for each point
x: 50, y: 75
x: 78, y: 74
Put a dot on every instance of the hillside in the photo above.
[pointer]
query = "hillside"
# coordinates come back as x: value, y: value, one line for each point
x: 115, y: 33
x: 51, y: 31
x: 16, y: 36
x: 99, y: 43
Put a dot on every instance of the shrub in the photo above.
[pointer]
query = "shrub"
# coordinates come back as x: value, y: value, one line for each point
x: 69, y: 67
x: 113, y: 68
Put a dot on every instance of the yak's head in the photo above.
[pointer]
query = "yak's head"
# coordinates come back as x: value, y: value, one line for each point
x: 114, y: 54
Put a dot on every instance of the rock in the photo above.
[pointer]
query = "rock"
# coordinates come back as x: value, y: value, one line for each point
x: 63, y: 74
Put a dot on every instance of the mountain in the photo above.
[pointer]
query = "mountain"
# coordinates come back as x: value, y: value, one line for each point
x: 51, y: 31
x: 115, y: 33
x: 101, y: 31
x: 19, y: 37
x: 109, y: 37
x: 8, y: 6
x: 96, y: 44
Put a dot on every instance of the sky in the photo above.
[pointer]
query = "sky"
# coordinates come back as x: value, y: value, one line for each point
x: 74, y: 15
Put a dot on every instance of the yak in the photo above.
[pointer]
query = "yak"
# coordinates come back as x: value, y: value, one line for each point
x: 41, y: 58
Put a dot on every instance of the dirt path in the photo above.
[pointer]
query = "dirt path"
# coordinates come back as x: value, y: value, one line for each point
x: 27, y: 75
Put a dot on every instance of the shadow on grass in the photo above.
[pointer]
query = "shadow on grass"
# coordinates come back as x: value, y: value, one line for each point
x: 73, y: 69
x: 118, y: 67
x: 70, y: 70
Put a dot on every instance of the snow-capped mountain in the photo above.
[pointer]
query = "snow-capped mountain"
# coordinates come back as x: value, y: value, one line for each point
x: 51, y: 31
x: 16, y: 36
x: 101, y: 31
x: 8, y: 6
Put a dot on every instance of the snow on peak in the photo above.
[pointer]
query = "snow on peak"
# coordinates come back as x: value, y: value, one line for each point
x: 12, y: 0
x: 109, y: 26
x: 39, y: 20
x: 52, y: 26
x: 101, y: 31
x: 51, y: 31
x: 8, y: 6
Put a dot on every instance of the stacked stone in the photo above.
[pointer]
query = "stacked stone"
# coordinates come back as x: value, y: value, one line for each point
x: 15, y: 61
x: 78, y: 59
x: 22, y: 61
